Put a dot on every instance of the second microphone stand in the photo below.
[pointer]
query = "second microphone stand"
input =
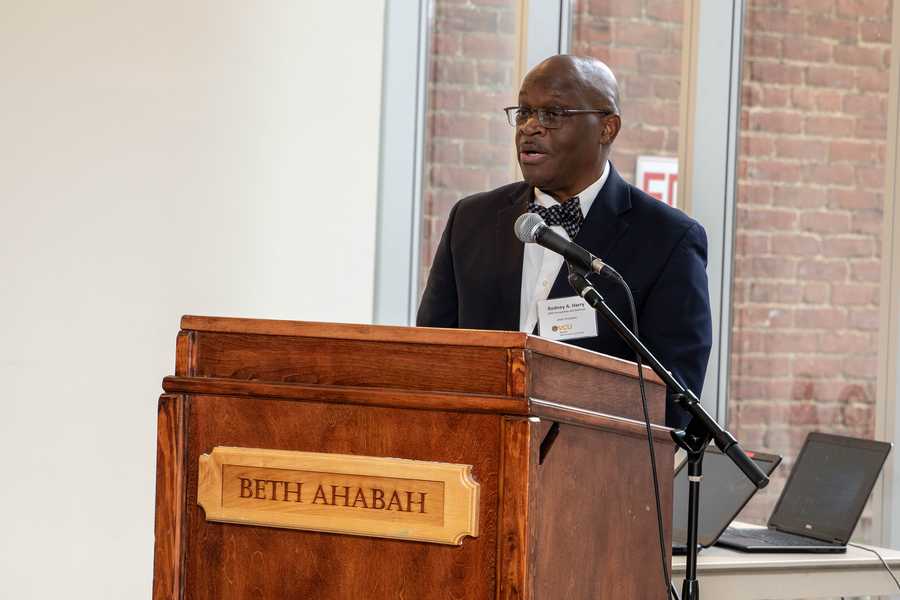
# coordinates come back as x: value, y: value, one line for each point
x: 700, y: 432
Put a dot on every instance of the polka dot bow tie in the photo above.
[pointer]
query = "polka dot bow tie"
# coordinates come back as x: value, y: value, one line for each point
x: 567, y: 215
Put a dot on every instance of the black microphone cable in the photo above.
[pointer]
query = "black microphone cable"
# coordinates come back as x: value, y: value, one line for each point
x: 670, y: 590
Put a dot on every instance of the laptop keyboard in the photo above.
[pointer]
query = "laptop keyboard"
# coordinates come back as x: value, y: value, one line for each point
x: 774, y: 537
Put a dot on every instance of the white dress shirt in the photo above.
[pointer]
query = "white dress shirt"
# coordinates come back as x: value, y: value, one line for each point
x: 541, y: 266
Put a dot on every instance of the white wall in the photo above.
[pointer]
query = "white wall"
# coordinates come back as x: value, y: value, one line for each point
x: 159, y: 157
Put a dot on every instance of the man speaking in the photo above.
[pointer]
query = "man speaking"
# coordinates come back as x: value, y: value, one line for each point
x: 483, y: 277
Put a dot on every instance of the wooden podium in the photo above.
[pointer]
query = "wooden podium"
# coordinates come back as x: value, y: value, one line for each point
x: 563, y: 511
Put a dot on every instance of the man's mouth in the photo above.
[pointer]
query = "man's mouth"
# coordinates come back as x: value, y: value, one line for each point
x: 531, y: 157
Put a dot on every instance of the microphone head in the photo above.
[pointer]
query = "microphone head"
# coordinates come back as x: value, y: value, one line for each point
x: 527, y: 227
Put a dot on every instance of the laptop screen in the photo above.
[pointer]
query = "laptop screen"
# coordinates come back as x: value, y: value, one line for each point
x: 828, y: 487
x: 723, y: 493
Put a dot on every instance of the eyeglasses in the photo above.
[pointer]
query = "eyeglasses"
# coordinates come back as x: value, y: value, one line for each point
x: 549, y: 118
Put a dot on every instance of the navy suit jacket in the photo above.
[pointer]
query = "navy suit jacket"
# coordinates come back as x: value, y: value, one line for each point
x: 476, y: 278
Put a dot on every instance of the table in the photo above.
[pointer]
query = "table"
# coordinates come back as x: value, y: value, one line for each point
x: 725, y: 573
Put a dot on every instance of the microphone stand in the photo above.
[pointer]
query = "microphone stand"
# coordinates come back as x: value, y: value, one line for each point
x: 702, y: 429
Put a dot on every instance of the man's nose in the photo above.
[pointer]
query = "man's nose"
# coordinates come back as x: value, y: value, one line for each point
x: 532, y: 126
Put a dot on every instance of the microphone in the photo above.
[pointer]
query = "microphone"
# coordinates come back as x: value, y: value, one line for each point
x: 531, y: 229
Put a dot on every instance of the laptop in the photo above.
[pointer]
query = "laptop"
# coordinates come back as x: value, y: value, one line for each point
x: 725, y: 490
x: 822, y: 500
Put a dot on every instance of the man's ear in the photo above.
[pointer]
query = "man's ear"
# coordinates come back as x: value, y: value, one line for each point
x: 610, y: 130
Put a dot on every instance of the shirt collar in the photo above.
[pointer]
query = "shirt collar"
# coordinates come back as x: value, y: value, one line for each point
x: 585, y: 197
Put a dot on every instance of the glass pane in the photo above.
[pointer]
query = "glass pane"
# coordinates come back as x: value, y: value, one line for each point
x: 808, y: 226
x: 468, y: 143
x: 640, y: 40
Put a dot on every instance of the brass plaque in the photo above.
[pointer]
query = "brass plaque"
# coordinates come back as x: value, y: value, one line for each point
x: 340, y: 493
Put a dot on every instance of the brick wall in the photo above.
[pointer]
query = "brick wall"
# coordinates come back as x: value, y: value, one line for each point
x: 640, y: 40
x: 468, y: 144
x: 808, y: 224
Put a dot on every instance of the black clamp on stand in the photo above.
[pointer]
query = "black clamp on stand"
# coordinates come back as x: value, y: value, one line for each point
x: 700, y: 432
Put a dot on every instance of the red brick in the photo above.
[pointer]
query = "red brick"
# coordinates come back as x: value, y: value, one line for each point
x: 464, y: 18
x: 852, y: 199
x: 862, y: 8
x: 807, y: 50
x: 451, y: 70
x: 444, y: 151
x: 809, y: 6
x: 796, y: 244
x: 487, y: 101
x: 776, y: 171
x: 844, y: 30
x: 860, y: 367
x: 494, y: 74
x: 870, y: 177
x: 852, y: 151
x: 770, y: 72
x: 772, y: 21
x: 832, y: 126
x: 763, y: 46
x: 764, y: 219
x: 763, y: 366
x: 863, y: 104
x: 481, y: 154
x: 667, y: 88
x: 762, y: 316
x: 802, y: 148
x: 624, y: 59
x: 508, y: 20
x: 771, y: 292
x: 754, y: 193
x: 455, y: 126
x: 819, y: 318
x: 831, y: 77
x: 815, y: 366
x: 875, y: 31
x: 798, y: 197
x: 746, y: 243
x: 782, y: 342
x: 868, y: 222
x: 865, y: 319
x: 874, y: 128
x: 858, y: 415
x: 846, y: 342
x: 865, y: 270
x: 816, y: 292
x: 859, y: 56
x: 659, y: 62
x: 448, y: 176
x: 872, y: 80
x: 768, y: 266
x: 639, y: 34
x: 488, y: 46
x: 849, y: 247
x: 816, y: 269
x: 445, y: 44
x: 775, y: 97
x: 834, y: 173
x: 854, y: 293
x: 670, y: 11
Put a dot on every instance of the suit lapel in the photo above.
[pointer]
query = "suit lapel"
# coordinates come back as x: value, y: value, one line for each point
x: 510, y: 252
x: 602, y: 229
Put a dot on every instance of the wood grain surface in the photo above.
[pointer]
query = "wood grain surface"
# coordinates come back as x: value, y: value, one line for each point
x: 225, y: 561
x: 170, y: 498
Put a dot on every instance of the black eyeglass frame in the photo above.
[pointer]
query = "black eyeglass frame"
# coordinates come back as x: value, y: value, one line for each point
x: 543, y: 114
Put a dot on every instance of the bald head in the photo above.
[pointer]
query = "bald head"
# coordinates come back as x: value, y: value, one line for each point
x: 587, y: 77
x: 564, y: 154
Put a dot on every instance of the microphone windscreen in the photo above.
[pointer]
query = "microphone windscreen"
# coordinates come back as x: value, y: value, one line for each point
x: 527, y: 227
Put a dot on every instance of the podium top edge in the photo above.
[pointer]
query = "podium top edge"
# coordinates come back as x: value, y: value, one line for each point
x: 416, y: 335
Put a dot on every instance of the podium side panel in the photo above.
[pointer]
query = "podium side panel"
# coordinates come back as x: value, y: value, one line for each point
x: 595, y: 520
x: 170, y: 489
x: 230, y: 562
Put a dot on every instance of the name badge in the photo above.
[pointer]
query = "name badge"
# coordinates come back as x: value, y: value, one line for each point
x: 566, y: 319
